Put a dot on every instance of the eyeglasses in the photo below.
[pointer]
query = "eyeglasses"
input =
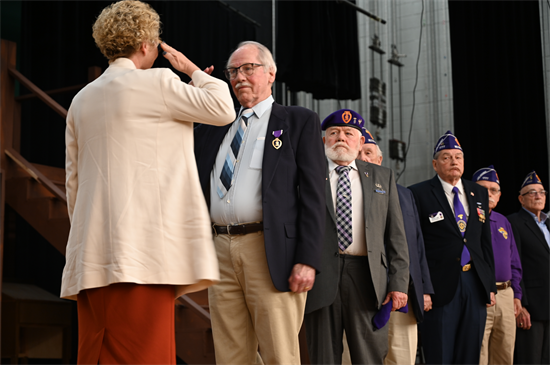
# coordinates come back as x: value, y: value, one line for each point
x: 246, y: 69
x: 494, y: 190
x: 532, y: 193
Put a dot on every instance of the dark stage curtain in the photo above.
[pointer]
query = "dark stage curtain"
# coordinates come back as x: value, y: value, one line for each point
x: 498, y: 91
x: 317, y: 49
x: 57, y: 48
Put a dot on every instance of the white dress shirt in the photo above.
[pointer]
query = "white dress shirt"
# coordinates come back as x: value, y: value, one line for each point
x: 358, y: 247
x: 243, y: 201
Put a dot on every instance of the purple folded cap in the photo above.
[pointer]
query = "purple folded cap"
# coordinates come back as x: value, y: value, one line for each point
x: 383, y: 316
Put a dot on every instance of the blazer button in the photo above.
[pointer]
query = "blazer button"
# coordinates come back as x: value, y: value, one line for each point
x: 465, y: 240
x: 336, y: 254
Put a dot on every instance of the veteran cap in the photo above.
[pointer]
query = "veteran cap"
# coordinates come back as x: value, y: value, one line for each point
x: 447, y: 141
x: 486, y: 174
x: 531, y: 178
x: 344, y: 118
x: 368, y: 136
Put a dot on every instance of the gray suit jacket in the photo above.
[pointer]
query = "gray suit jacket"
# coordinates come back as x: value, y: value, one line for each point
x: 387, y: 249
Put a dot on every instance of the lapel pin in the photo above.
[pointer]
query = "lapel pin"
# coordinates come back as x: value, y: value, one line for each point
x: 366, y: 174
x: 471, y: 193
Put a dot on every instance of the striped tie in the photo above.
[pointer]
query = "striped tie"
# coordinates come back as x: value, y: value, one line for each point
x: 343, y: 208
x: 226, y: 176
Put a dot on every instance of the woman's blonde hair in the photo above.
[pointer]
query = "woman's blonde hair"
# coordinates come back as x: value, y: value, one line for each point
x: 121, y: 28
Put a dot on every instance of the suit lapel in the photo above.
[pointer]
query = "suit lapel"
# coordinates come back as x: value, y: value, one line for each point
x: 277, y: 121
x: 328, y: 197
x: 472, y: 202
x: 439, y: 193
x: 530, y: 222
x: 366, y: 174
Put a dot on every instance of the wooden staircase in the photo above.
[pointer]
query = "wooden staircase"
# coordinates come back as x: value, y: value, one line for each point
x: 37, y: 193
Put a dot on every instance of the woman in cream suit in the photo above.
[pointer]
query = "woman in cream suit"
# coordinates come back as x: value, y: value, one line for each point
x: 140, y: 230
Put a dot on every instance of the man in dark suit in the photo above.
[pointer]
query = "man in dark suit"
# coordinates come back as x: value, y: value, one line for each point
x: 457, y: 236
x: 365, y: 258
x: 403, y: 332
x: 263, y: 178
x: 531, y: 231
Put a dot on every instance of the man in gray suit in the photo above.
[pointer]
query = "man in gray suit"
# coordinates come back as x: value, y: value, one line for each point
x: 365, y: 261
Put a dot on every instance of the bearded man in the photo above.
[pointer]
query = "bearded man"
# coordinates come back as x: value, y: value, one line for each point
x: 365, y: 261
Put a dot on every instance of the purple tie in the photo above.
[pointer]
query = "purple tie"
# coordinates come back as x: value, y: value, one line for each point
x: 461, y: 219
x: 343, y: 208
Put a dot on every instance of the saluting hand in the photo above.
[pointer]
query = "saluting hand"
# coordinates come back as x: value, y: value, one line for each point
x: 178, y: 60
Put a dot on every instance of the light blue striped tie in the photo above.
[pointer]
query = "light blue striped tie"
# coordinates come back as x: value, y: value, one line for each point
x: 226, y: 176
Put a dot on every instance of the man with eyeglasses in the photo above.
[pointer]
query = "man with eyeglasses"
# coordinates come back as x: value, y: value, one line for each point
x: 532, y: 234
x: 453, y: 216
x: 500, y: 327
x: 264, y: 180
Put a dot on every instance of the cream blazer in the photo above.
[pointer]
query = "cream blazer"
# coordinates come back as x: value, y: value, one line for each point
x: 135, y: 204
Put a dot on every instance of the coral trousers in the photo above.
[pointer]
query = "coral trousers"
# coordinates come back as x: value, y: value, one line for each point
x: 126, y: 323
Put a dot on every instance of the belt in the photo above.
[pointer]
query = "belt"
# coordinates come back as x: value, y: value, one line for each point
x: 466, y: 267
x: 238, y: 229
x: 505, y: 285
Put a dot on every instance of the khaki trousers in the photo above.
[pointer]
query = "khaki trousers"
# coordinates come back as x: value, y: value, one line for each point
x: 402, y: 338
x: 500, y: 330
x: 247, y: 311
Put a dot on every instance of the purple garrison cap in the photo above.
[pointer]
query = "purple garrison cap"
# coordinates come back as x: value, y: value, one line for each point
x: 368, y: 136
x: 383, y: 315
x: 344, y: 118
x: 447, y: 141
x: 531, y: 178
x: 486, y: 174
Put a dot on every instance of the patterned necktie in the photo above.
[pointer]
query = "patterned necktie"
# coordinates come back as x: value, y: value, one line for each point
x: 226, y: 176
x: 343, y: 208
x: 461, y: 219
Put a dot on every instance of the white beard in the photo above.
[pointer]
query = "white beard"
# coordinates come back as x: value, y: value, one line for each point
x: 344, y: 153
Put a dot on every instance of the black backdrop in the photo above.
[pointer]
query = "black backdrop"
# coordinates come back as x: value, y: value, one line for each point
x: 57, y: 48
x: 498, y: 91
x: 318, y: 49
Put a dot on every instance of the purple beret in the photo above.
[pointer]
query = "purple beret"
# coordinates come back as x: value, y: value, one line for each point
x: 447, y: 141
x: 383, y: 315
x: 532, y: 178
x: 486, y: 174
x: 344, y: 118
x: 368, y: 136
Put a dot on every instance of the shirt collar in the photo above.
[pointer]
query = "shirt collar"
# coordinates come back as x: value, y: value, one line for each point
x: 261, y: 107
x: 543, y: 216
x: 448, y: 188
x: 333, y: 165
x: 123, y: 62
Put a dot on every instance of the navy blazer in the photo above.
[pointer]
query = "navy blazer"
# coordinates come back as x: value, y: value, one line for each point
x: 418, y: 266
x: 535, y: 258
x: 444, y: 242
x: 293, y: 182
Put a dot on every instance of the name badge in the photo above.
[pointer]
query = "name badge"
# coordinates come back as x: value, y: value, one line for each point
x: 436, y: 217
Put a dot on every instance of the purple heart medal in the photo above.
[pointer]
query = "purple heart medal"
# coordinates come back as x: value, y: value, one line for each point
x: 277, y: 143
